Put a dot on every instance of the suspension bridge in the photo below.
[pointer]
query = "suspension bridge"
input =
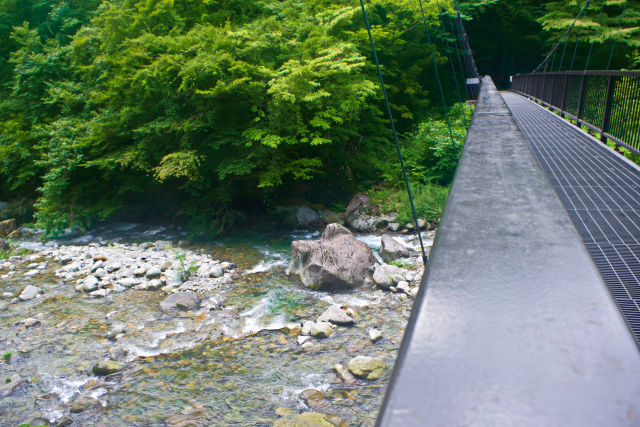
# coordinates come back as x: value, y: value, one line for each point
x: 529, y: 310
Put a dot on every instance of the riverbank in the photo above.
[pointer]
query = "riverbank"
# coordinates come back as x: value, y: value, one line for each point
x: 235, y: 354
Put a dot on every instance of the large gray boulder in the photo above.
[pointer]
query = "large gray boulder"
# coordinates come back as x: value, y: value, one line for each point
x: 391, y: 249
x: 337, y: 260
x: 357, y: 215
x: 180, y: 301
x: 306, y: 216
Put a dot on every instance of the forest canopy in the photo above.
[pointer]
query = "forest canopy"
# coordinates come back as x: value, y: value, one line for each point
x: 204, y: 110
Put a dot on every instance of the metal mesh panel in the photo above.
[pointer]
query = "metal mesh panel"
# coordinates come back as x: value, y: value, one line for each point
x: 600, y: 192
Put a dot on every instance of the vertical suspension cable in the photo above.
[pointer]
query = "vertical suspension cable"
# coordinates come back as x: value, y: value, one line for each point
x: 624, y: 9
x: 563, y: 51
x: 586, y: 65
x: 575, y: 50
x: 453, y: 71
x: 393, y: 128
x: 435, y: 70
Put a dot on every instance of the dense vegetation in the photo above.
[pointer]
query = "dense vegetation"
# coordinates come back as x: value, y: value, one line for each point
x: 206, y: 110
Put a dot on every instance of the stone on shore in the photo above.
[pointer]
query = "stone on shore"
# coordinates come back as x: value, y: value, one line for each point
x: 344, y: 375
x: 90, y: 283
x: 336, y: 315
x: 30, y: 292
x: 106, y: 367
x: 321, y: 330
x: 180, y: 301
x: 391, y: 249
x: 337, y: 260
x: 375, y: 335
x: 369, y: 368
x: 385, y: 275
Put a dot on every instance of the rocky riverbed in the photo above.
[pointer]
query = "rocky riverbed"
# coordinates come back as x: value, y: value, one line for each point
x: 126, y: 325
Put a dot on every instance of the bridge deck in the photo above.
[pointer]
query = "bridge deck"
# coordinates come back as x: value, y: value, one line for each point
x: 514, y: 325
x: 601, y: 192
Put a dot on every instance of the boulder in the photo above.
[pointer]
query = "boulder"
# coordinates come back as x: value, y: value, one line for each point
x: 180, y: 301
x: 385, y: 274
x: 360, y: 222
x: 336, y: 315
x: 7, y: 227
x: 154, y: 272
x: 315, y: 400
x: 310, y: 419
x: 90, y: 283
x: 306, y: 216
x: 337, y: 260
x: 30, y: 292
x: 344, y: 375
x: 359, y: 203
x: 369, y: 368
x: 391, y: 249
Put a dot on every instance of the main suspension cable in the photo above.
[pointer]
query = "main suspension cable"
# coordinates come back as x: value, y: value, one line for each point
x: 395, y: 134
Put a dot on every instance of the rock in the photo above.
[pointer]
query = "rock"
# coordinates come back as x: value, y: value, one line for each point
x: 90, y: 284
x: 106, y: 367
x: 99, y: 258
x: 117, y: 288
x: 360, y: 202
x: 403, y: 286
x: 336, y: 315
x: 321, y: 330
x: 383, y: 275
x: 64, y: 422
x: 394, y: 226
x: 128, y: 282
x: 7, y: 227
x: 315, y: 400
x: 180, y: 301
x: 344, y: 375
x: 173, y: 278
x: 83, y: 403
x: 154, y: 284
x: 303, y: 339
x: 4, y: 245
x: 140, y: 271
x: 31, y: 273
x: 337, y: 260
x: 6, y: 388
x: 422, y: 223
x: 66, y: 259
x: 309, y: 419
x: 30, y: 322
x: 306, y: 216
x: 375, y: 335
x: 359, y: 222
x: 116, y: 329
x: 216, y: 272
x: 414, y: 292
x: 167, y: 265
x: 154, y: 272
x: 113, y: 267
x: 391, y: 249
x: 369, y: 368
x: 306, y: 327
x: 100, y: 293
x: 96, y: 265
x: 30, y: 292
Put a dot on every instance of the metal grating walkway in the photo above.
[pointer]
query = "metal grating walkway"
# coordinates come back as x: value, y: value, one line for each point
x: 601, y: 193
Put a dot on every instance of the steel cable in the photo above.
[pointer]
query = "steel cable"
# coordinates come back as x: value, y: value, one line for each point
x: 393, y: 128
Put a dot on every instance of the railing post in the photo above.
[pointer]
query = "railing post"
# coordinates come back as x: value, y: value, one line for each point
x: 564, y: 95
x: 581, y: 99
x: 608, y: 102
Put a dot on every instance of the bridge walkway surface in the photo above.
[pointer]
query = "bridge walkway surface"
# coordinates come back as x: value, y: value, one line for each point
x: 601, y: 192
x: 513, y: 326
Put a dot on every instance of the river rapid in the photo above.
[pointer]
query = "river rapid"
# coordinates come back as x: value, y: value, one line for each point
x: 234, y: 360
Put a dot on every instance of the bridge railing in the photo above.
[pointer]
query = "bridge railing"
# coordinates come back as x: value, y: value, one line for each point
x: 607, y: 102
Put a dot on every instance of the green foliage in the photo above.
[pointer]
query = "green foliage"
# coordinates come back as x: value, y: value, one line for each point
x: 6, y: 356
x: 203, y: 110
x: 429, y: 201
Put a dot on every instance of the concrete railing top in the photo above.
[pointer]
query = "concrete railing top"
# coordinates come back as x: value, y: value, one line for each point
x: 513, y: 325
